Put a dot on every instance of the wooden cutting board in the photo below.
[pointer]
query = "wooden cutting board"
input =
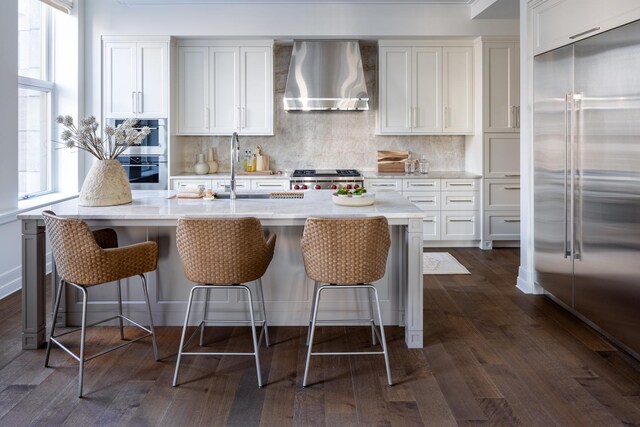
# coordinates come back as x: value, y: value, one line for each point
x: 391, y: 160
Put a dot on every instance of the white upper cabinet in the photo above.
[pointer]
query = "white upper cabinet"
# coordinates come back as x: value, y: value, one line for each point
x: 226, y: 88
x: 457, y: 89
x: 560, y: 22
x: 501, y: 94
x: 135, y: 76
x: 425, y: 90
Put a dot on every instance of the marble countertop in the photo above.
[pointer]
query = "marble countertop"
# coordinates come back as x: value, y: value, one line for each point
x: 227, y: 175
x: 430, y: 175
x: 153, y: 207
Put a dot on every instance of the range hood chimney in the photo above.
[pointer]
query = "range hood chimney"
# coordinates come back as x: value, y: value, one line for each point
x: 325, y: 75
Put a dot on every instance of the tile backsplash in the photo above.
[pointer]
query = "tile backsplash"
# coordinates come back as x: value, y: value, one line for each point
x: 332, y: 139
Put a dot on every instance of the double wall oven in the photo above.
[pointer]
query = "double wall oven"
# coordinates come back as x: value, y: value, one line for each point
x: 146, y: 164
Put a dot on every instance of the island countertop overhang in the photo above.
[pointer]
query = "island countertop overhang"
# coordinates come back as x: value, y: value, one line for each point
x: 156, y: 208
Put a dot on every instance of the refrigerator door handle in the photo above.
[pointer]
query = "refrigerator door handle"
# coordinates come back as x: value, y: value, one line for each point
x: 567, y: 133
x: 577, y: 177
x: 572, y: 176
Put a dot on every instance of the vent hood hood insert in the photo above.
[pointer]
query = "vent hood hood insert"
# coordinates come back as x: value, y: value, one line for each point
x: 325, y: 75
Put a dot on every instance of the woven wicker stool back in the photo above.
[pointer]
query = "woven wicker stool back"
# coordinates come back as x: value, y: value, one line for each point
x: 345, y: 250
x: 81, y: 260
x: 223, y: 251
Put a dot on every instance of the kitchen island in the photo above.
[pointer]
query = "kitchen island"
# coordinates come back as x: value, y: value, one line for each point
x: 288, y: 292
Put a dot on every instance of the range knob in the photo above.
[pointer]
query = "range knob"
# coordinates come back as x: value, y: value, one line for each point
x: 296, y: 187
x: 355, y: 187
x: 316, y: 187
x: 334, y: 187
x: 349, y: 186
x: 304, y: 186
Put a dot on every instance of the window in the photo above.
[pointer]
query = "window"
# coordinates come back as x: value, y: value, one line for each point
x: 35, y: 87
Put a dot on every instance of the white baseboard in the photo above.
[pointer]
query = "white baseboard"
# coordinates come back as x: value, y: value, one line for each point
x: 11, y: 281
x: 526, y: 284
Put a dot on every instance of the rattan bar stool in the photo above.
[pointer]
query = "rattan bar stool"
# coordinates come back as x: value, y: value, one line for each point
x: 346, y: 253
x: 85, y: 259
x: 224, y: 253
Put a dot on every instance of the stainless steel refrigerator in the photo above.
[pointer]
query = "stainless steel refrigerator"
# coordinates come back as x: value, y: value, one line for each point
x: 587, y: 180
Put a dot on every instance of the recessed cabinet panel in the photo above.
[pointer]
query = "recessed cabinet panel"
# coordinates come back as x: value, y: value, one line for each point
x: 501, y: 194
x: 421, y: 184
x: 223, y: 81
x: 460, y: 200
x: 457, y: 87
x: 431, y: 226
x: 193, y: 90
x: 395, y: 90
x: 120, y: 79
x: 462, y: 225
x: 501, y: 93
x: 501, y: 156
x: 502, y: 225
x: 384, y: 184
x: 427, y: 201
x: 256, y: 91
x: 270, y: 184
x: 460, y: 184
x: 152, y: 80
x: 427, y: 90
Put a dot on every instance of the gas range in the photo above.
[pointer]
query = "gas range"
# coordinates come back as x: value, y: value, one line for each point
x: 325, y: 179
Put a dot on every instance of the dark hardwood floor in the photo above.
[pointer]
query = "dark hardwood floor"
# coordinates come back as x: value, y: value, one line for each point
x: 492, y: 356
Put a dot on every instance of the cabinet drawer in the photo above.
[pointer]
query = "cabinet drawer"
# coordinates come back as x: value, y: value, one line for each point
x: 383, y: 184
x: 502, y: 156
x: 427, y: 201
x: 270, y: 184
x: 459, y: 185
x: 502, y: 225
x: 431, y: 226
x: 460, y: 225
x: 460, y: 200
x: 502, y: 194
x: 177, y: 183
x: 220, y: 185
x: 421, y: 185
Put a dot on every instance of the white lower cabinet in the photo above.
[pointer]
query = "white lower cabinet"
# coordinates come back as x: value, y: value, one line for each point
x: 383, y: 184
x: 501, y: 194
x: 177, y: 183
x: 270, y: 184
x: 460, y: 225
x: 427, y: 201
x: 431, y: 225
x: 222, y: 185
x: 460, y: 200
x: 502, y: 225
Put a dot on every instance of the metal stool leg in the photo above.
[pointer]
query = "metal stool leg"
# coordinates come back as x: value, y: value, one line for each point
x: 313, y: 304
x: 120, y: 310
x: 151, y: 326
x: 373, y: 322
x: 383, y: 338
x: 254, y: 336
x: 83, y: 329
x: 265, y: 327
x: 184, y: 331
x: 206, y: 311
x: 53, y: 323
x: 316, y: 303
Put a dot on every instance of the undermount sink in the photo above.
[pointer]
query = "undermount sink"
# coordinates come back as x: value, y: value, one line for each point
x: 244, y: 195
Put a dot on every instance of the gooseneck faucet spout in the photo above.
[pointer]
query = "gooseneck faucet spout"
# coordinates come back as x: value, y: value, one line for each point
x: 235, y: 157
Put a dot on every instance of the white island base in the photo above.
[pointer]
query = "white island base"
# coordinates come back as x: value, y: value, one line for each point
x: 288, y: 292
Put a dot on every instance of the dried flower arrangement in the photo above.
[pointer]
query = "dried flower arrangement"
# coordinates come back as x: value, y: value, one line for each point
x: 115, y: 141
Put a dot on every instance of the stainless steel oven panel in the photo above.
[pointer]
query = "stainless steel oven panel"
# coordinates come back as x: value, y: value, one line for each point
x: 159, y: 139
x: 156, y: 167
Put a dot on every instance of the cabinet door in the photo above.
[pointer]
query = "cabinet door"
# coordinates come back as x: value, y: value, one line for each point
x: 377, y: 184
x: 193, y: 90
x: 224, y: 97
x: 501, y: 194
x: 426, y: 82
x: 120, y: 80
x: 395, y: 90
x: 502, y: 156
x: 502, y: 225
x: 431, y: 226
x: 460, y: 225
x: 457, y: 90
x: 151, y: 80
x: 256, y: 90
x: 501, y: 87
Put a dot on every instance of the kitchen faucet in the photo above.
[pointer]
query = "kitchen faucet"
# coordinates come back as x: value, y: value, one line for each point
x: 235, y: 157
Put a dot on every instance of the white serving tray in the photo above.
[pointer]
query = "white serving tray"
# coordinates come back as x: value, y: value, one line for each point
x: 365, y: 200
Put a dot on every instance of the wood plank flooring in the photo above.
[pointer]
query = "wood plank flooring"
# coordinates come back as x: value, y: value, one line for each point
x: 492, y: 356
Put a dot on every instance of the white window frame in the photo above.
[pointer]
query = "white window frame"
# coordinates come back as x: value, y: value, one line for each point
x: 47, y: 86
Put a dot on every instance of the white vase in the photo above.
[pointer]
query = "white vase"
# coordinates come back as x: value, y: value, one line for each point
x: 201, y: 167
x: 106, y: 184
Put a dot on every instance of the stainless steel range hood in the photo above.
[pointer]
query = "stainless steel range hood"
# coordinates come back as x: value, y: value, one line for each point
x: 326, y: 75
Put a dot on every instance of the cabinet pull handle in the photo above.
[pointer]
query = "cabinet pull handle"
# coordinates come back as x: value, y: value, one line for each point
x: 244, y: 117
x: 511, y: 119
x: 511, y: 220
x: 461, y: 201
x: 575, y: 36
x: 133, y: 102
x: 408, y: 120
x: 206, y: 117
x: 511, y: 188
x: 420, y: 185
x: 383, y: 185
x: 140, y: 107
x: 429, y: 220
x: 453, y: 184
x: 518, y: 117
x: 421, y: 201
x: 415, y: 117
x: 514, y: 175
x: 460, y: 220
x: 269, y: 185
x: 446, y: 117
